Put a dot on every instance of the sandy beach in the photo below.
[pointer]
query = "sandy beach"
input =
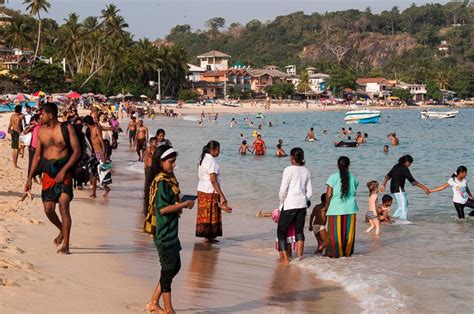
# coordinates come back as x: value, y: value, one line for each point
x: 114, y: 266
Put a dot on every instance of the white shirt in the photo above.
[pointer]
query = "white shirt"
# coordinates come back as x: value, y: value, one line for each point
x: 207, y: 167
x: 296, y: 188
x: 460, y: 195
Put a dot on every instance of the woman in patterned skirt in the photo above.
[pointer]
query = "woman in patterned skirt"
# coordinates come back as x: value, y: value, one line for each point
x: 211, y: 199
x: 341, y: 207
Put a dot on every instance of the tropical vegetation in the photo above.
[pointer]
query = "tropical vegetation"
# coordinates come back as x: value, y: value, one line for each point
x: 431, y: 44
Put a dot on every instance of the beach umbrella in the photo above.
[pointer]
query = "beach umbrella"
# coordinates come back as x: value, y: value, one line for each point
x: 128, y: 95
x: 143, y: 96
x: 90, y: 94
x: 119, y: 96
x: 112, y: 97
x: 73, y: 95
x: 85, y: 95
x: 39, y: 94
x: 20, y: 97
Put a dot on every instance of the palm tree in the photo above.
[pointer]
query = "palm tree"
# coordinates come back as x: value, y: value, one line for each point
x: 17, y: 34
x: 116, y: 27
x: 109, y: 12
x: 35, y: 7
x: 303, y: 84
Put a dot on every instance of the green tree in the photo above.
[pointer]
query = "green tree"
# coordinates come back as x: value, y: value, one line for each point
x: 36, y: 7
x: 303, y: 85
x: 18, y: 33
x: 215, y: 23
x: 280, y: 90
x: 187, y: 94
x: 433, y: 91
x: 341, y: 78
x: 463, y: 85
x: 42, y: 76
x: 403, y: 94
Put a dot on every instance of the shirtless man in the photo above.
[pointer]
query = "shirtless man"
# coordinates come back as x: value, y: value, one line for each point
x: 310, y: 137
x: 98, y: 151
x: 57, y: 160
x: 14, y: 128
x: 393, y: 139
x: 132, y: 131
x: 141, y: 139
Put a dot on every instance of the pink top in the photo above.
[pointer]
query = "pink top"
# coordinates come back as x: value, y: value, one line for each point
x: 34, y: 135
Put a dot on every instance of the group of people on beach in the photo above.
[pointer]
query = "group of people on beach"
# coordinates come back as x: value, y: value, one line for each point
x: 60, y: 146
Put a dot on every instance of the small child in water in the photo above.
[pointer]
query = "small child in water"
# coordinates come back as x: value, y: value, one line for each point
x: 317, y: 224
x: 244, y: 147
x: 280, y: 151
x: 372, y: 214
x: 384, y: 208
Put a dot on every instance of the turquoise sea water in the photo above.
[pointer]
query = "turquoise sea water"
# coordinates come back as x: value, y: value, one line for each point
x: 423, y: 266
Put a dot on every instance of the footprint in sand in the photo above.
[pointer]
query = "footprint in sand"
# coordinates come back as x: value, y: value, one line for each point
x: 8, y: 283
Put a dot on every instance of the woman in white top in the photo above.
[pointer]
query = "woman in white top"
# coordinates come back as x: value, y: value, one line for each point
x: 211, y: 199
x: 295, y: 192
x: 462, y: 196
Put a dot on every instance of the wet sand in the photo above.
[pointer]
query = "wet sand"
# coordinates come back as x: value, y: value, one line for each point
x: 114, y: 266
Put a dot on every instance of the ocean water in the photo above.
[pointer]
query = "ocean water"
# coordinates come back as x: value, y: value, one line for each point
x: 418, y: 267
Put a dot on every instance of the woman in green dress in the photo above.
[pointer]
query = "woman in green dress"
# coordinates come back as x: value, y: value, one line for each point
x: 162, y: 222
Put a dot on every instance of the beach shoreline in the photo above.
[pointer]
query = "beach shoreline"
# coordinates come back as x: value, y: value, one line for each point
x: 114, y: 266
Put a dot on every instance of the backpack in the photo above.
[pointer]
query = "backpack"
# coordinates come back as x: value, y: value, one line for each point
x: 79, y: 167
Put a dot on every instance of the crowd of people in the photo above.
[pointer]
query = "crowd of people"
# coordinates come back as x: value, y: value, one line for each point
x: 67, y: 150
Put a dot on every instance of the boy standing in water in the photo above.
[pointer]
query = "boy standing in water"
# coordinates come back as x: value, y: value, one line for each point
x: 317, y: 224
x: 244, y: 147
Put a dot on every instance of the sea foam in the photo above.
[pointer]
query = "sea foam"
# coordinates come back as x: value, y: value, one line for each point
x: 371, y: 289
x: 191, y: 118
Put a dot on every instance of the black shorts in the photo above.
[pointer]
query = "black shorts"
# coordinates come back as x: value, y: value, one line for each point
x: 287, y: 217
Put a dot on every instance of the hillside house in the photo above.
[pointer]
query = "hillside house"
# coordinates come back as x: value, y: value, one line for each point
x: 375, y: 86
x: 214, y: 61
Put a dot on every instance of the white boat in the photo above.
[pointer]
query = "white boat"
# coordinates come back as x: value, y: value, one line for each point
x: 362, y: 116
x: 259, y: 115
x: 438, y: 114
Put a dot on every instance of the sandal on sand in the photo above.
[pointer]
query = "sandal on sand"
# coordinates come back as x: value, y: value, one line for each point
x: 226, y: 208
x: 27, y: 194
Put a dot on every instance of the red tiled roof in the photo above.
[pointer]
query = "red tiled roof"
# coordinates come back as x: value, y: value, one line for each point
x: 365, y: 80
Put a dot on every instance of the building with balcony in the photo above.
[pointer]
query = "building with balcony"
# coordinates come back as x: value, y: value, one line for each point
x: 214, y: 60
x: 375, y: 86
x: 418, y: 91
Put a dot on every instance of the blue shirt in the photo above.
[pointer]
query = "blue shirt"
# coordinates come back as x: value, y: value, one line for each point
x: 339, y: 205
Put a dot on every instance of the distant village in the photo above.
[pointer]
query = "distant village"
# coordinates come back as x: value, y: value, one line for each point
x: 214, y: 76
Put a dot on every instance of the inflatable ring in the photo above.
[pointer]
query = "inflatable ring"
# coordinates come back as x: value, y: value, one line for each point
x: 254, y: 133
x: 346, y: 144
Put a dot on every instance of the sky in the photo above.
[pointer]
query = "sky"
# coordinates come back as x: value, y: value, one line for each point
x: 155, y: 18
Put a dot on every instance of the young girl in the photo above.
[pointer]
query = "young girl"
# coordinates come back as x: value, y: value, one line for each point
x: 162, y: 221
x: 462, y: 196
x: 295, y: 192
x: 372, y: 214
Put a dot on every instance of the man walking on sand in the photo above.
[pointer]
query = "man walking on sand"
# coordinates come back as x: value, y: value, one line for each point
x: 141, y: 139
x: 14, y: 128
x: 132, y: 131
x: 56, y: 158
x: 98, y: 154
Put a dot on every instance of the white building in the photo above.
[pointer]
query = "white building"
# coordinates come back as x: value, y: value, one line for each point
x: 418, y: 91
x: 195, y: 72
x: 375, y: 86
x: 214, y: 60
x: 317, y: 81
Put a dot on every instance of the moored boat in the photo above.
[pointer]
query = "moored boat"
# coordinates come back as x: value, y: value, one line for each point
x: 362, y: 116
x: 259, y: 115
x: 425, y: 114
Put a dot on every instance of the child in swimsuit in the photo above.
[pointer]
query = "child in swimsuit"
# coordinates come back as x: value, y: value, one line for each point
x: 317, y: 224
x: 384, y: 208
x: 372, y: 214
x: 244, y: 148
